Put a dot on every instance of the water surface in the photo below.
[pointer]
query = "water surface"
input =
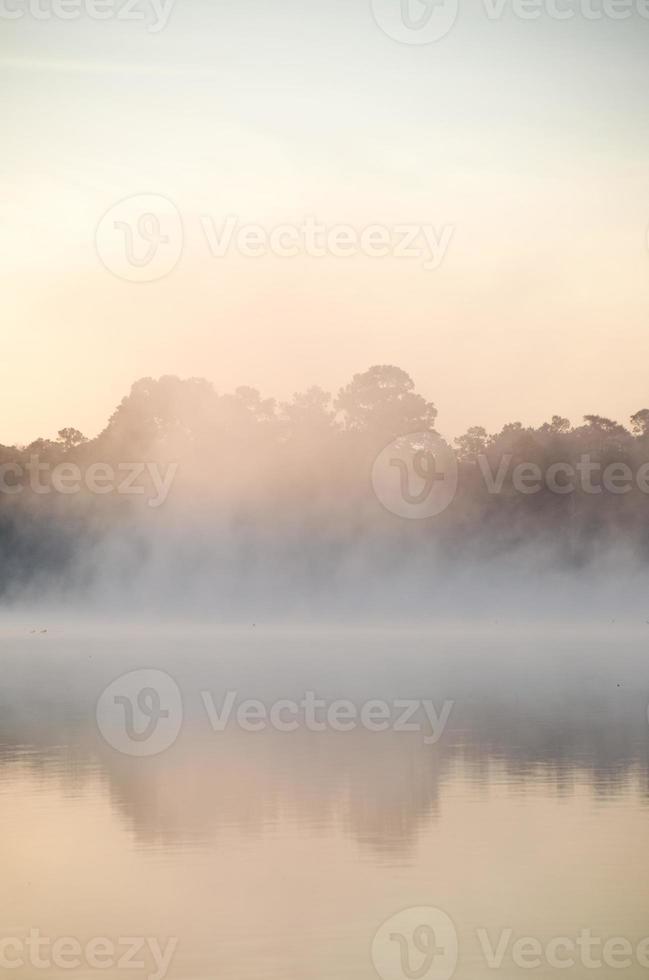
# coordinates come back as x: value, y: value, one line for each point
x: 277, y: 854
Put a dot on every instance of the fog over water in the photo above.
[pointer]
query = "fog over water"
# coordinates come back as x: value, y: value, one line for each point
x: 528, y: 811
x: 323, y: 674
x: 324, y: 560
x: 233, y: 508
x: 560, y: 711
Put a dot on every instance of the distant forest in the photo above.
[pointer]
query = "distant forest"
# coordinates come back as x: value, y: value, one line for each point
x: 294, y: 479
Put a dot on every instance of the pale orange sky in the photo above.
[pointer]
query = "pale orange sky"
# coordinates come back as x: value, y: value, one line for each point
x: 530, y: 138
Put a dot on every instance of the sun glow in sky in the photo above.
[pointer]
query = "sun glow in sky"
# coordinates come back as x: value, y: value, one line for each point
x: 528, y: 137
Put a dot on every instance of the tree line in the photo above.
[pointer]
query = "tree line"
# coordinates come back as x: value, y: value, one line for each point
x: 299, y: 472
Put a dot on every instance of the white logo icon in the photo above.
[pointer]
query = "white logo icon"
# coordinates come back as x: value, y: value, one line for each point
x: 141, y: 712
x: 140, y: 239
x: 416, y: 21
x: 416, y: 476
x: 416, y: 944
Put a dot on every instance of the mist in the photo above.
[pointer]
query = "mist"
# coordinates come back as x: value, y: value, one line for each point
x: 236, y: 509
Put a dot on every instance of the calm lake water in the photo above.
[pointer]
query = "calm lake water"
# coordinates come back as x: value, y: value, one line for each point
x: 280, y: 854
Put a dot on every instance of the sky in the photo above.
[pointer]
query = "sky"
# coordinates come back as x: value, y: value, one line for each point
x: 520, y: 144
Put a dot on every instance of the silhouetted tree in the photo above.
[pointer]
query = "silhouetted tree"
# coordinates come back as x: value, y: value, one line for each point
x: 383, y: 401
x: 640, y: 422
x: 472, y: 444
x: 70, y: 438
x: 300, y: 473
